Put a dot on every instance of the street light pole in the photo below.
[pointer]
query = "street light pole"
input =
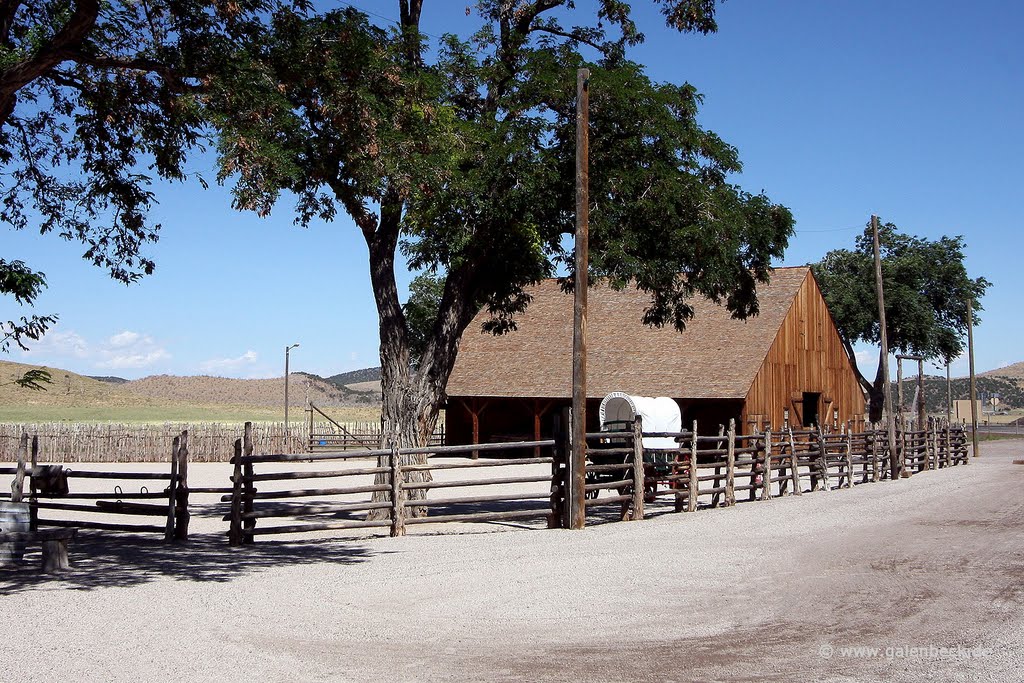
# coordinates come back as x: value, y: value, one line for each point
x: 287, y: 351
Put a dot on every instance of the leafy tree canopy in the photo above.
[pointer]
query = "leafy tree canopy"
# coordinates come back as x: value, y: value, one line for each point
x: 97, y: 100
x: 926, y: 292
x: 462, y: 156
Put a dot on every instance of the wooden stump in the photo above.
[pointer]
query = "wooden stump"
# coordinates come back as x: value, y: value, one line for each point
x: 55, y: 556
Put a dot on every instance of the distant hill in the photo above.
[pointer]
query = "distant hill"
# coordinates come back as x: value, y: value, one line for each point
x: 1016, y: 371
x: 355, y: 377
x: 71, y: 389
x: 108, y: 380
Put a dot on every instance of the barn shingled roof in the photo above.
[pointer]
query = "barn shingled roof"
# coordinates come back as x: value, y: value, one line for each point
x: 715, y: 357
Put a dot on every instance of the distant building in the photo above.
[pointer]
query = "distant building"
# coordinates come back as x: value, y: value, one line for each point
x: 786, y: 362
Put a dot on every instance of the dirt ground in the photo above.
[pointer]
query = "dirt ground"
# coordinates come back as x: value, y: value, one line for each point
x: 917, y: 579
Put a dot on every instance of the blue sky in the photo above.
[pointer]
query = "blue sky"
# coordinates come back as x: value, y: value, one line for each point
x: 840, y: 109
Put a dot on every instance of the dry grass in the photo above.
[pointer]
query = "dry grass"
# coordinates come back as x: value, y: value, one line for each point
x: 75, y: 398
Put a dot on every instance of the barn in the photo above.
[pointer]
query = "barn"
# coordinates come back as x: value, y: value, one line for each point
x: 787, y: 364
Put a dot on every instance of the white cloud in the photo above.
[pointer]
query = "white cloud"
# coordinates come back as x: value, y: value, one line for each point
x: 124, y: 350
x: 126, y: 338
x: 229, y: 364
x: 58, y: 343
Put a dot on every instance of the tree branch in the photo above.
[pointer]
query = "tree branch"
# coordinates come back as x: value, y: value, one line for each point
x: 57, y: 50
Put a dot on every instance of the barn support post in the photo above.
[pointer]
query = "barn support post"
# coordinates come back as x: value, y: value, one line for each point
x: 730, y: 465
x: 794, y: 463
x: 766, y: 473
x: 172, y: 490
x: 182, y: 516
x: 235, y: 534
x: 692, y: 492
x: 638, y: 469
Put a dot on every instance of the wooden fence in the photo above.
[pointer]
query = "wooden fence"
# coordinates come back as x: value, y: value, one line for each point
x: 703, y: 471
x: 111, y: 501
x: 396, y: 498
x: 62, y: 442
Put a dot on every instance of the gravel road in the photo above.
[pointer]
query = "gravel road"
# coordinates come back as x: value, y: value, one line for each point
x: 918, y: 579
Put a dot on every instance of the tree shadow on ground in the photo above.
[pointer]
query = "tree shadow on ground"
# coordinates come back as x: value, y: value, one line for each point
x: 101, y: 560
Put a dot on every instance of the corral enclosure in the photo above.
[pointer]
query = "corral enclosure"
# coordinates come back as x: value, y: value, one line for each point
x: 209, y: 441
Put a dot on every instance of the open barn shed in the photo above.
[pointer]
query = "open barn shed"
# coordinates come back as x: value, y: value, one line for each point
x: 788, y: 362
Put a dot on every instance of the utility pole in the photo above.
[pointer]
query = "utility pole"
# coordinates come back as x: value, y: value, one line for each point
x: 949, y: 395
x: 287, y: 350
x: 887, y: 401
x: 577, y: 459
x: 974, y: 389
x: 922, y: 407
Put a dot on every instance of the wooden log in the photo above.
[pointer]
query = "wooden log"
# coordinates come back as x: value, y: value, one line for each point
x: 480, y: 463
x: 618, y: 484
x: 612, y: 467
x: 608, y: 500
x: 820, y: 464
x: 104, y: 526
x: 397, y: 494
x: 235, y: 532
x: 794, y: 465
x: 474, y: 482
x: 81, y: 474
x: 55, y: 556
x: 766, y: 474
x: 691, y: 498
x: 487, y: 516
x: 468, y: 500
x: 312, y: 493
x: 18, y: 485
x: 637, y: 504
x: 322, y: 526
x: 172, y: 498
x: 321, y: 474
x: 849, y: 462
x: 294, y: 510
x: 730, y: 467
x: 182, y: 515
x: 120, y: 508
x: 248, y: 491
x: 33, y: 514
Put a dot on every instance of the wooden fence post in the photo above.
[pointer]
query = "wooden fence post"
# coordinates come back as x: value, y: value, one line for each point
x: 182, y: 518
x: 766, y: 474
x: 691, y: 497
x: 949, y: 445
x: 638, y: 470
x: 823, y: 460
x: 794, y: 463
x: 874, y: 454
x: 248, y: 486
x: 235, y: 535
x: 33, y: 511
x: 18, y: 485
x: 557, y: 476
x: 397, y: 493
x: 172, y: 490
x: 730, y: 465
x: 849, y: 460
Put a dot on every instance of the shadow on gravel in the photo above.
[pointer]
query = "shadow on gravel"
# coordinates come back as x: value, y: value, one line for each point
x: 104, y: 560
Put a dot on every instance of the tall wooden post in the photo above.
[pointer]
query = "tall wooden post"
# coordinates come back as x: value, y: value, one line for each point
x: 900, y: 418
x: 974, y: 389
x: 577, y: 504
x: 887, y: 401
x: 922, y: 409
x: 949, y: 396
x: 181, y: 513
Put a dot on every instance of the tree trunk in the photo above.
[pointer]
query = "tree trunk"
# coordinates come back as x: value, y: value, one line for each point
x: 876, y: 397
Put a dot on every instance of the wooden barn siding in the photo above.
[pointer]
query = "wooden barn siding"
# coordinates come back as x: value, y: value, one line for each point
x: 807, y: 355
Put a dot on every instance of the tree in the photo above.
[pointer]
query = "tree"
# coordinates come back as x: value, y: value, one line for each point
x: 926, y: 292
x: 462, y: 157
x: 96, y: 101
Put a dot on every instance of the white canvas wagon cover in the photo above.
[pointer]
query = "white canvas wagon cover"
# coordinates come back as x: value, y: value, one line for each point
x: 659, y: 414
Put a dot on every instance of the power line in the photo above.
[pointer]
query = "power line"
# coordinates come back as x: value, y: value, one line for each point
x: 396, y: 22
x: 859, y: 227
